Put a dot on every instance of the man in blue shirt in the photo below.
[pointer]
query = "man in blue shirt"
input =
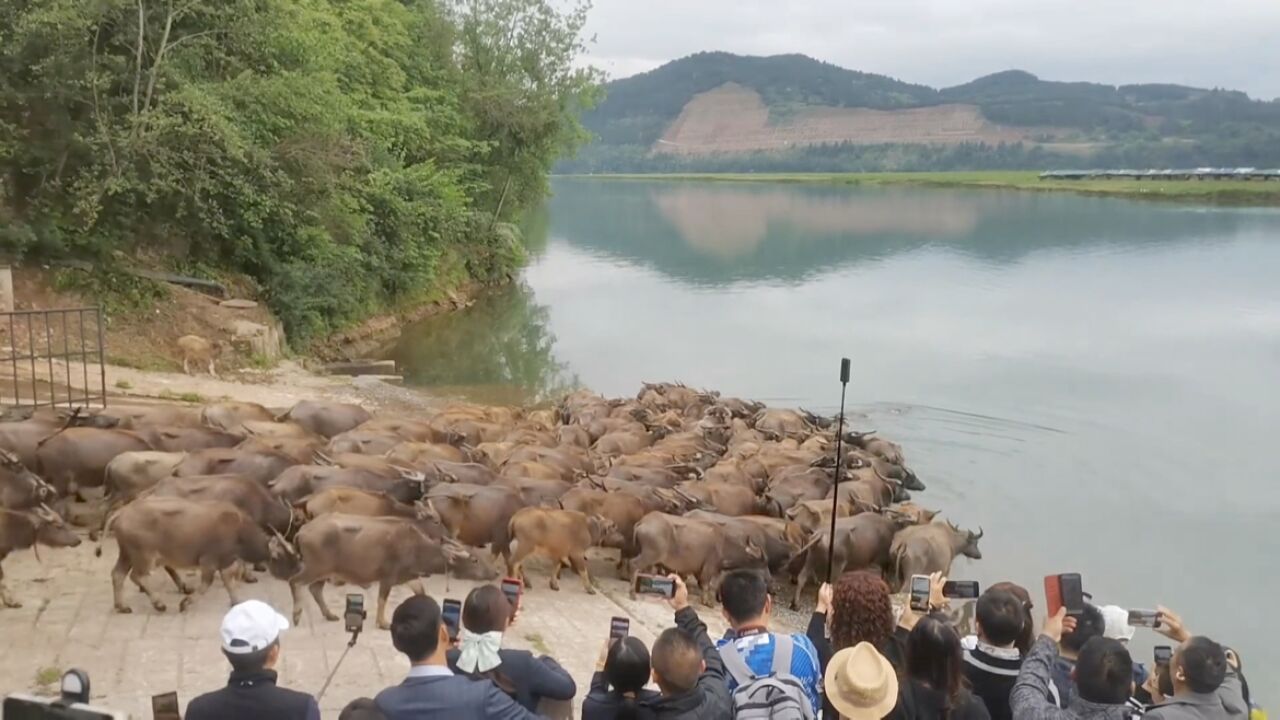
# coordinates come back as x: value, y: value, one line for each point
x: 747, y: 606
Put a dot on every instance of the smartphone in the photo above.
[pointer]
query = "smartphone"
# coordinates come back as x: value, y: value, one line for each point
x: 960, y: 589
x: 655, y: 585
x: 1144, y: 618
x: 165, y: 707
x: 1163, y: 654
x: 511, y: 587
x: 920, y: 593
x: 354, y: 614
x: 1065, y: 590
x: 619, y: 627
x: 451, y: 614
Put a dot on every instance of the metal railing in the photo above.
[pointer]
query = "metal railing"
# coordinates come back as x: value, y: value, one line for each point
x: 52, y: 358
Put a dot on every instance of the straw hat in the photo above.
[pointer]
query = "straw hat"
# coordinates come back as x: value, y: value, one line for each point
x: 861, y: 683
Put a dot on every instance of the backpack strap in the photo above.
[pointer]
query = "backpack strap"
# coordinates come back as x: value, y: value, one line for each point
x: 736, y: 664
x: 783, y: 648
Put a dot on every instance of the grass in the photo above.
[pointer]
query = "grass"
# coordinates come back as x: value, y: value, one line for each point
x: 48, y: 676
x: 187, y: 397
x: 124, y: 385
x: 538, y: 643
x: 1233, y: 192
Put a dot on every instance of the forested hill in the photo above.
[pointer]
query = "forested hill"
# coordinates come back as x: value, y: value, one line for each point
x: 718, y: 111
x: 347, y: 158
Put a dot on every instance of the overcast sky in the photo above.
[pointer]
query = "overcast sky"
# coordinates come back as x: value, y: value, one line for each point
x: 1224, y: 43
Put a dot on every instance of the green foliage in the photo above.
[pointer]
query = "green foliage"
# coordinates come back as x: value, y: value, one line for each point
x: 333, y: 151
x: 117, y: 291
x: 1132, y: 125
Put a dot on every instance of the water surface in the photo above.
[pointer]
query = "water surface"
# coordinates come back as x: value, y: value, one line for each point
x: 1093, y: 381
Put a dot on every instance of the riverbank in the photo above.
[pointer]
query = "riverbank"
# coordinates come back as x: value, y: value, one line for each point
x: 1222, y: 192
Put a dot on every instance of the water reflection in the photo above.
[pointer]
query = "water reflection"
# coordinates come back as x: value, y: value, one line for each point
x: 712, y: 234
x: 499, y: 350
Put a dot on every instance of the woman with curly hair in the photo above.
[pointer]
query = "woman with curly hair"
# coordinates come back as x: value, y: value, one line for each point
x: 856, y: 610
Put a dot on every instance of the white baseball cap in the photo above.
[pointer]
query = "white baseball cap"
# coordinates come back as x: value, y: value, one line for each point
x: 1117, y: 623
x: 251, y: 627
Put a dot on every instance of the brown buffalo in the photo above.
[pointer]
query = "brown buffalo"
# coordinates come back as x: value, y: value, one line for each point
x: 623, y: 509
x: 573, y: 436
x: 694, y: 547
x: 535, y: 492
x: 770, y: 533
x: 77, y: 457
x: 417, y: 454
x: 890, y: 451
x: 261, y: 465
x: 784, y: 423
x: 624, y: 443
x: 726, y: 499
x: 477, y: 515
x: 132, y: 418
x: 176, y: 534
x: 176, y: 438
x: 302, y: 450
x: 327, y: 418
x: 730, y: 470
x: 249, y: 496
x: 662, y: 477
x: 925, y: 549
x: 561, y: 535
x: 570, y: 461
x: 870, y: 492
x: 862, y: 542
x: 300, y: 481
x: 231, y: 416
x: 796, y: 486
x: 130, y: 473
x: 364, y: 550
x: 440, y: 471
x: 21, y: 530
x: 21, y: 489
x: 353, y: 501
x: 811, y: 516
x: 367, y: 442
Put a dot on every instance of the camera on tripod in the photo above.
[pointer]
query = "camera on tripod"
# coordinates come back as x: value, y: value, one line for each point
x: 355, y: 615
x: 72, y: 703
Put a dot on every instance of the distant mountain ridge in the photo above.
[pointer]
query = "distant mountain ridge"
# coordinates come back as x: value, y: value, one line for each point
x: 804, y: 104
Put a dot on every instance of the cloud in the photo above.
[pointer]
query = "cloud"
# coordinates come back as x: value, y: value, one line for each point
x: 1227, y: 43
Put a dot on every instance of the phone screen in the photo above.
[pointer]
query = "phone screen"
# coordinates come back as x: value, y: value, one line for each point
x: 619, y: 627
x: 354, y: 615
x: 1072, y: 593
x: 1163, y: 654
x: 512, y: 587
x: 451, y: 614
x: 920, y: 592
x: 1144, y: 618
x: 165, y: 707
x: 655, y: 585
x: 960, y: 589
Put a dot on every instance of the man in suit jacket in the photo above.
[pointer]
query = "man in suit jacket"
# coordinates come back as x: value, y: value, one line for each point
x: 432, y: 691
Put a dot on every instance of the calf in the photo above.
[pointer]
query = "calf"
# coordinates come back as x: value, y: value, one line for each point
x: 196, y: 349
x: 562, y: 535
x: 177, y: 533
x: 21, y: 530
x: 364, y: 550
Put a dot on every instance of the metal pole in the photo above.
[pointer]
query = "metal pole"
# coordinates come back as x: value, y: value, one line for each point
x: 835, y: 486
x: 102, y: 362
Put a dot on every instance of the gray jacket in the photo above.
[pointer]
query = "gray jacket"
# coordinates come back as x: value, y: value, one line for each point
x: 1227, y: 703
x: 1030, y: 699
x: 449, y: 698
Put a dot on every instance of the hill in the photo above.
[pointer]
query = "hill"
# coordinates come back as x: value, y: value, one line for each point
x: 717, y: 111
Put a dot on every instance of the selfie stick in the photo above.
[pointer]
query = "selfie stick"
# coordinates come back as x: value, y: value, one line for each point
x: 835, y: 487
x: 355, y: 634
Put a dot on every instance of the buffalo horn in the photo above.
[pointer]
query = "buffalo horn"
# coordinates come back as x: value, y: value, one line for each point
x: 288, y: 547
x: 322, y: 459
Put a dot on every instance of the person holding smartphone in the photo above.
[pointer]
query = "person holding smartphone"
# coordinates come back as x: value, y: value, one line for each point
x: 486, y: 614
x: 1204, y: 677
x: 618, y: 685
x: 251, y: 643
x: 1103, y: 674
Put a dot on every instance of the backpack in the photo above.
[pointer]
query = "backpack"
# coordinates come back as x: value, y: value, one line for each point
x: 776, y: 696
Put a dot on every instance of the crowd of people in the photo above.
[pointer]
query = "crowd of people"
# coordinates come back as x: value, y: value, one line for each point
x: 857, y: 661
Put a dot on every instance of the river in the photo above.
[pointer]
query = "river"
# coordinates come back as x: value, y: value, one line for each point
x: 1092, y: 381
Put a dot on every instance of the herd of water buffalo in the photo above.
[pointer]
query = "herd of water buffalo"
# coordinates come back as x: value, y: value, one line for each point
x: 675, y: 479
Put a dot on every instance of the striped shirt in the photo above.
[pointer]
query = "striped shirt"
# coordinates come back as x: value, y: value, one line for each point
x: 757, y: 650
x: 991, y: 672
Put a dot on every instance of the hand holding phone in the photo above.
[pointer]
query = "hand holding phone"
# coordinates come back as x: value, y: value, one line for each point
x: 451, y: 615
x: 1064, y: 590
x: 513, y: 589
x: 619, y: 627
x: 920, y: 587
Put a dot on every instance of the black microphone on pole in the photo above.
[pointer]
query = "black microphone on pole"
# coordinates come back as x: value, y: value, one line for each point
x: 839, y: 471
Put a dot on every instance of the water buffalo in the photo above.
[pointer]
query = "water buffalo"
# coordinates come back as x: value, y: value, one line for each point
x: 408, y: 429
x: 177, y: 438
x: 568, y: 460
x: 440, y: 471
x: 810, y: 516
x: 353, y: 501
x: 625, y: 443
x: 231, y: 416
x: 662, y: 477
x: 573, y: 436
x: 133, y: 418
x: 302, y: 450
x: 21, y: 489
x: 869, y: 493
x: 327, y: 418
x: 563, y: 536
x: 130, y: 473
x: 77, y: 457
x: 925, y: 549
x: 176, y: 533
x: 890, y: 451
x: 868, y: 463
x: 726, y: 499
x: 695, y: 547
x: 364, y: 550
x: 535, y: 492
x: 623, y: 509
x: 22, y: 436
x: 862, y: 541
x: 248, y: 495
x: 261, y: 465
x: 730, y: 470
x: 795, y: 487
x: 21, y: 530
x: 477, y: 515
x: 417, y: 454
x: 300, y: 481
x: 769, y: 533
x: 784, y: 423
x: 368, y: 442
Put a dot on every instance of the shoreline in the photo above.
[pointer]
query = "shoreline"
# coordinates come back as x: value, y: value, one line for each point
x: 1214, y: 192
